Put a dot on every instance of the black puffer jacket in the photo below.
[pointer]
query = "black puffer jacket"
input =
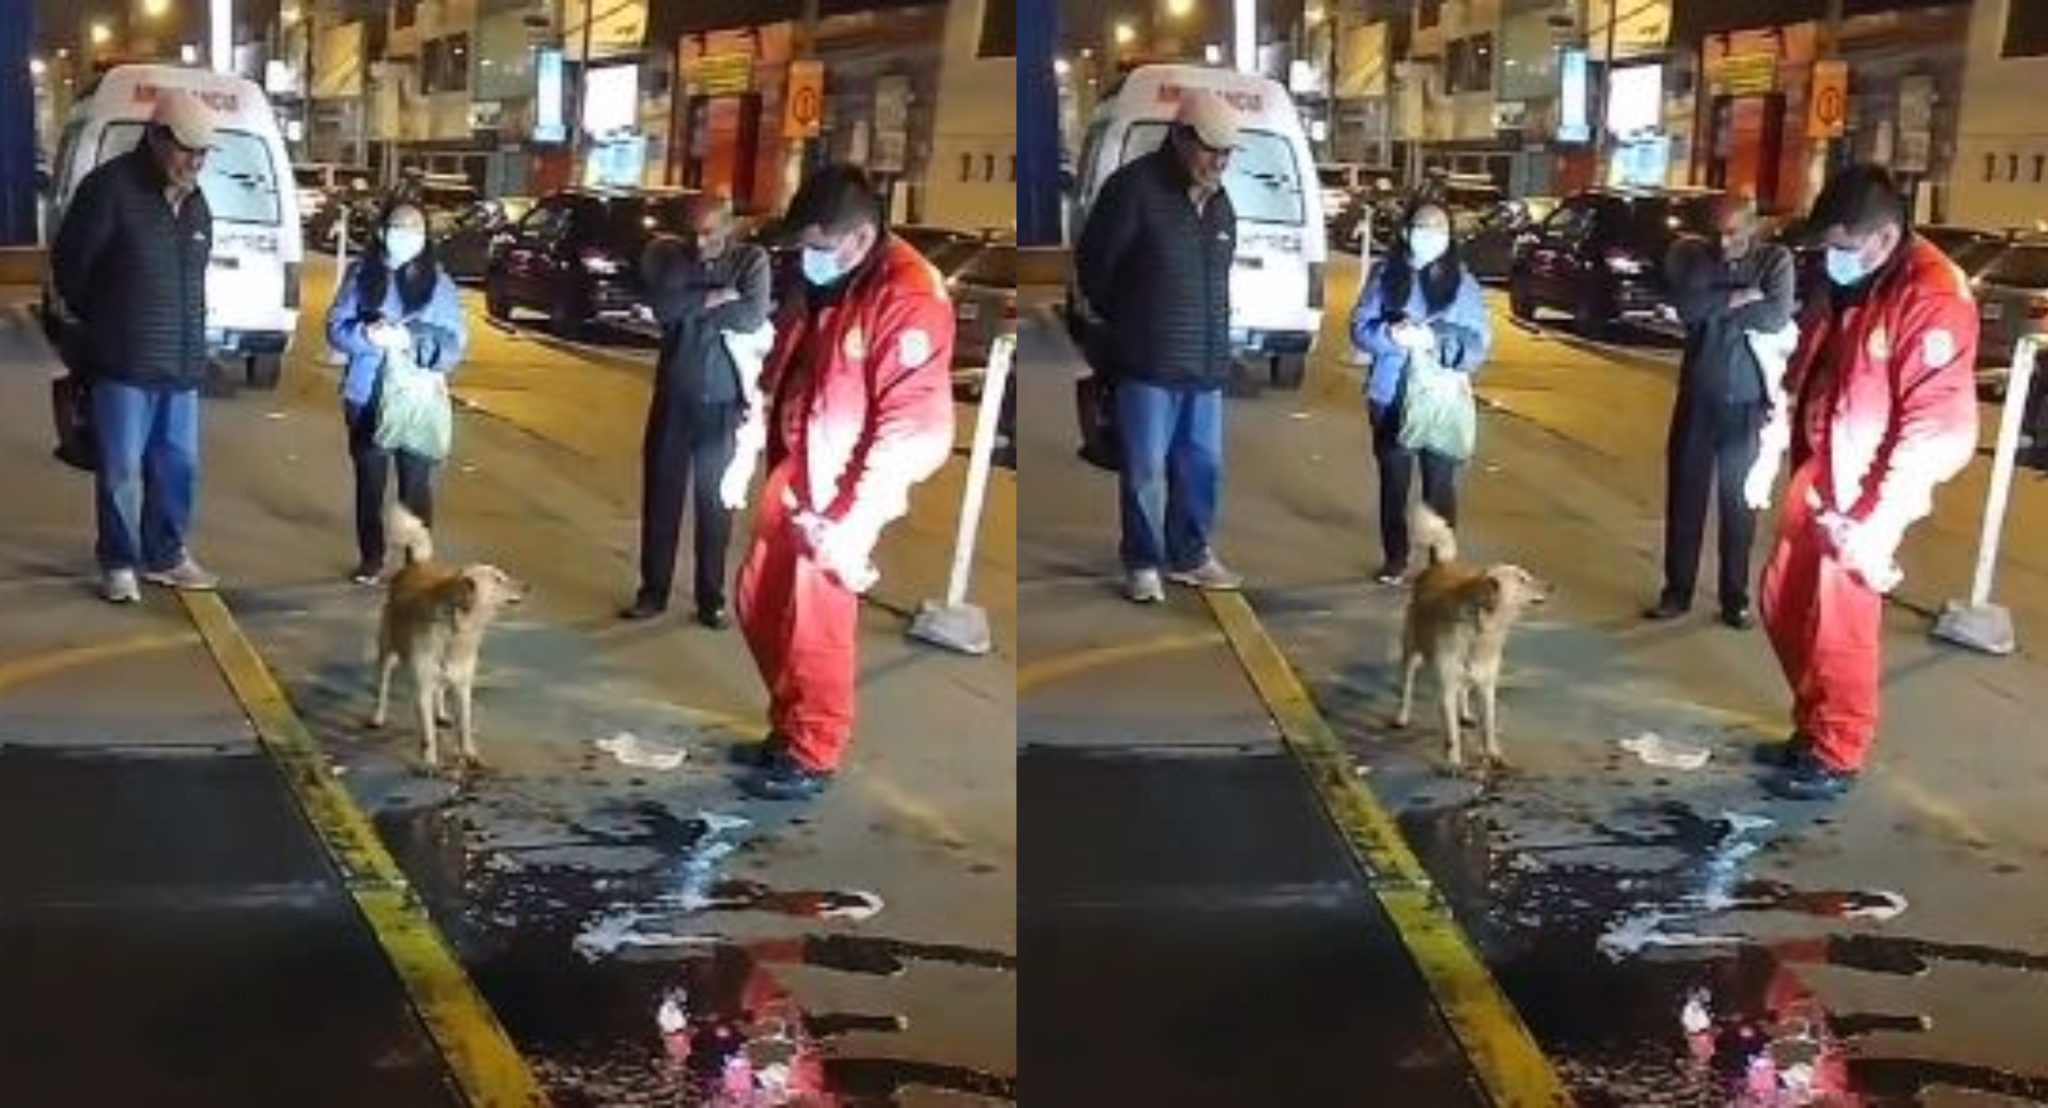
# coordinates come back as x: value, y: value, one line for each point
x: 1159, y: 273
x: 134, y: 274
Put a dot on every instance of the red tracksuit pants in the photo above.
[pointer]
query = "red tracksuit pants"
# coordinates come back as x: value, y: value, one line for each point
x: 801, y: 627
x: 1826, y: 627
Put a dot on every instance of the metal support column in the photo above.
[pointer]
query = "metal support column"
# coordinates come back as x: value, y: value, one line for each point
x: 17, y: 126
x: 1038, y: 127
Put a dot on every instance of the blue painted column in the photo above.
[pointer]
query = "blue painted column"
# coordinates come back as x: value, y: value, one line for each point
x: 17, y: 125
x: 1038, y: 127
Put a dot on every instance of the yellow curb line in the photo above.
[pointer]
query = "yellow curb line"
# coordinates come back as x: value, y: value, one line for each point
x: 1496, y: 1044
x: 473, y: 1045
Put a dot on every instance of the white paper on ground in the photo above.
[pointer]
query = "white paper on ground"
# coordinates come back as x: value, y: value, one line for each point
x: 632, y: 750
x: 1656, y: 750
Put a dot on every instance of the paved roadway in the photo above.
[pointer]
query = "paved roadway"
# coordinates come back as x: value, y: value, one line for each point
x: 1893, y: 944
x: 866, y: 945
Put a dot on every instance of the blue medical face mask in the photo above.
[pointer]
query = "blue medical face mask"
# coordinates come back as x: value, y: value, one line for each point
x: 1845, y: 266
x: 821, y: 266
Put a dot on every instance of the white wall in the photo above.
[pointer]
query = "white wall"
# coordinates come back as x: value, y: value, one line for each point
x: 976, y: 115
x: 2001, y: 118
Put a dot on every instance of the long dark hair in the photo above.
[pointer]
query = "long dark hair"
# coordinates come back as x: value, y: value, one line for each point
x: 416, y: 278
x: 1440, y: 278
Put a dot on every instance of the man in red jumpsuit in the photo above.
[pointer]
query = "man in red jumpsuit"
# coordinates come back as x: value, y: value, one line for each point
x: 1882, y: 406
x: 859, y: 408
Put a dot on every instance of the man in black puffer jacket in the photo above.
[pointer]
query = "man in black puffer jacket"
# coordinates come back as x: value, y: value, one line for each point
x: 1154, y: 262
x: 130, y: 262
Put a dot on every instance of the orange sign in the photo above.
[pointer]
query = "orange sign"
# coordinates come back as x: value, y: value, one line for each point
x: 803, y: 109
x: 1827, y: 109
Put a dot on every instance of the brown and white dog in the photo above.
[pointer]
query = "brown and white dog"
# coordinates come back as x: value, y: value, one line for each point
x: 434, y: 622
x: 1458, y: 622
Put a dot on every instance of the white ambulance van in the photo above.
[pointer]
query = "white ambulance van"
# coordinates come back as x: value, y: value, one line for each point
x: 1276, y: 281
x: 252, y: 280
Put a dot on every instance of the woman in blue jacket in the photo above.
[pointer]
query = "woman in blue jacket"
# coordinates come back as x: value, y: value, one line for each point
x: 1421, y: 297
x: 396, y: 298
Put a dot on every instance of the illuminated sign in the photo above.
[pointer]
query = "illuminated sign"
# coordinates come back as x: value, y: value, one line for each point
x: 547, y: 122
x: 1572, y: 125
x: 1635, y: 99
x: 611, y: 98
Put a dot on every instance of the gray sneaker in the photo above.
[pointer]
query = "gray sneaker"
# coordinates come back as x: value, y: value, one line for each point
x: 1143, y: 587
x: 186, y: 576
x: 118, y: 586
x: 1210, y: 576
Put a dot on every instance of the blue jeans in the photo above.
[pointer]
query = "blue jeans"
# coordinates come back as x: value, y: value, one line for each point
x: 148, y: 473
x: 1172, y: 474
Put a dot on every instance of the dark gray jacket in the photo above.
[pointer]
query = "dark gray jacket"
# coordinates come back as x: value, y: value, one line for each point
x: 1158, y: 273
x: 1719, y: 366
x: 134, y: 274
x: 695, y: 366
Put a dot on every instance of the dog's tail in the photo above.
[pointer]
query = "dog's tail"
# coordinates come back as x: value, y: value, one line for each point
x: 410, y: 534
x: 1434, y: 535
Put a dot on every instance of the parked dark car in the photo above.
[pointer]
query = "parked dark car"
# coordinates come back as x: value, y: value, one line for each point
x: 465, y: 250
x: 576, y: 256
x: 1489, y: 250
x: 1600, y: 256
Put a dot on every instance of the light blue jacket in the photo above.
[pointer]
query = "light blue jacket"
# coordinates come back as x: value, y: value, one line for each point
x: 440, y: 332
x: 1464, y: 333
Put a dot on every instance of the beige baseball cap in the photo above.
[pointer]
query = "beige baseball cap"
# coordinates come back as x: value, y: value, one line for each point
x: 1209, y: 117
x: 188, y: 120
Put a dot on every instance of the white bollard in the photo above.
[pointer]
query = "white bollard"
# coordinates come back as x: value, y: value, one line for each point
x: 1977, y: 623
x: 953, y: 623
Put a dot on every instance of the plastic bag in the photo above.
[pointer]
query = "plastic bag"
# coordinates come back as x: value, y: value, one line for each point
x: 414, y: 414
x: 1438, y: 414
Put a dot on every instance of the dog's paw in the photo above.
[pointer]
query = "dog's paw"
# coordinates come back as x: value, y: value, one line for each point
x: 1398, y: 723
x: 374, y: 723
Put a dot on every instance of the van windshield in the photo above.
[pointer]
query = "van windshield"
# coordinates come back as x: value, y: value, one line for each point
x: 239, y: 181
x: 1264, y: 181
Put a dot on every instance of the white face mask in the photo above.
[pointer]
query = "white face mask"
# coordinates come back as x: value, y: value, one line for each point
x: 402, y: 245
x: 1427, y: 244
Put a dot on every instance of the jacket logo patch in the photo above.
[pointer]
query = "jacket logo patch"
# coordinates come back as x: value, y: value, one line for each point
x: 1879, y: 346
x: 914, y: 349
x: 855, y: 345
x: 1938, y: 349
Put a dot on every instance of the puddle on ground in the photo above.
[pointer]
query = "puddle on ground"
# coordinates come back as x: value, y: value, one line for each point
x: 1692, y: 1012
x: 603, y: 975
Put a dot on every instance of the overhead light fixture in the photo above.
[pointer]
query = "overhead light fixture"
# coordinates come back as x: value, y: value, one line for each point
x: 36, y: 68
x: 1126, y: 34
x: 1180, y: 9
x: 102, y: 34
x: 1061, y: 67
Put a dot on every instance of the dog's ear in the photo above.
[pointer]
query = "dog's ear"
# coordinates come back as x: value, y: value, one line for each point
x: 1491, y: 593
x: 466, y: 594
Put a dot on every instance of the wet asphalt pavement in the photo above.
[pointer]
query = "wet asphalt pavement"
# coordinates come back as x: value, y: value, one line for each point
x: 644, y: 934
x: 1670, y: 937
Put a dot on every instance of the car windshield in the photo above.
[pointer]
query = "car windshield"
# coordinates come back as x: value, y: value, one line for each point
x: 1263, y: 180
x: 239, y: 181
x: 2021, y: 267
x: 995, y: 267
x: 309, y: 178
x: 1333, y: 178
x: 629, y: 220
x: 1654, y: 221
